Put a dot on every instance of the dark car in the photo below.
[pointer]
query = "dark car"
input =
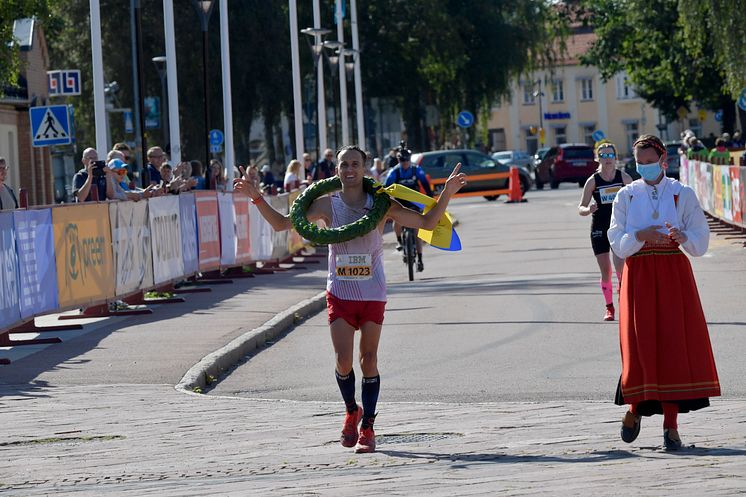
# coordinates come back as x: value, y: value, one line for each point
x: 569, y: 162
x: 439, y: 164
x: 673, y: 159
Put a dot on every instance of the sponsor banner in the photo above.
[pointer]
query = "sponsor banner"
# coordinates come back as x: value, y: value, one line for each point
x: 736, y: 188
x: 10, y: 310
x: 208, y: 229
x: 228, y: 241
x: 279, y: 238
x: 261, y: 235
x: 82, y: 248
x: 189, y: 243
x: 168, y: 263
x: 37, y: 268
x: 130, y: 238
x: 295, y: 241
x: 684, y: 170
x: 717, y: 191
x: 243, y: 231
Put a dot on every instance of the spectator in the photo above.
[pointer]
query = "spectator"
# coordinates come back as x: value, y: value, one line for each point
x: 86, y: 177
x: 197, y: 174
x: 117, y: 187
x: 268, y: 179
x: 215, y: 177
x: 173, y: 182
x: 153, y: 168
x: 726, y: 139
x: 737, y: 140
x: 697, y: 150
x: 292, y: 176
x: 8, y: 200
x: 719, y: 155
x: 325, y: 168
x: 307, y: 166
x: 377, y: 171
x: 390, y: 161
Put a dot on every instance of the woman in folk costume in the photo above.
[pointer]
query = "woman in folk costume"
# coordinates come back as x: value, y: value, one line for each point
x: 667, y: 361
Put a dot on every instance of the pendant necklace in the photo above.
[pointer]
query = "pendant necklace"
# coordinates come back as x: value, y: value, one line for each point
x: 654, y: 196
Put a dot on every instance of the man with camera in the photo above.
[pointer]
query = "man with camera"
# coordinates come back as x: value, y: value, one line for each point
x: 91, y: 174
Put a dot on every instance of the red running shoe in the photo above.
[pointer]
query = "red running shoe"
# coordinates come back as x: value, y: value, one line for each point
x: 366, y: 442
x: 609, y: 316
x: 349, y: 428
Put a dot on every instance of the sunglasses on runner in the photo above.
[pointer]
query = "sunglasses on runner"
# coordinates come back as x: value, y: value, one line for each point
x: 607, y: 155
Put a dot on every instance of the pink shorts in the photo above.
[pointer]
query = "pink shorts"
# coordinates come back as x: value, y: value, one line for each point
x: 355, y: 312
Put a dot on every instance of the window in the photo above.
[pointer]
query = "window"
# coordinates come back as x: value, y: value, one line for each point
x: 560, y: 135
x: 528, y: 94
x: 586, y: 131
x: 586, y: 89
x: 624, y: 88
x: 631, y: 130
x: 532, y: 141
x: 558, y: 91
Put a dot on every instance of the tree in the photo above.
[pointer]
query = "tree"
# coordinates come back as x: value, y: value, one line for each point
x: 9, y: 12
x: 646, y: 39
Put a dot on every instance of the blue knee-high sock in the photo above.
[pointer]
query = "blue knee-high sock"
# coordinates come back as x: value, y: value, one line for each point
x: 371, y: 387
x: 347, y: 388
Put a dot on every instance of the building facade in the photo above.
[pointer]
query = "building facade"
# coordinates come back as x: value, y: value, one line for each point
x: 571, y: 102
x: 29, y: 168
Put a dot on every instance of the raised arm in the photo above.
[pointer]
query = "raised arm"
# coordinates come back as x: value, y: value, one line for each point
x: 278, y: 221
x: 428, y: 221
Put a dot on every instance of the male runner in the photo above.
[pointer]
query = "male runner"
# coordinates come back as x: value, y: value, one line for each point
x: 356, y: 299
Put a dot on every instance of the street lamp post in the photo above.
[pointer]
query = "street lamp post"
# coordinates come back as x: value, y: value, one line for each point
x: 160, y: 65
x: 333, y: 59
x: 204, y: 10
x: 539, y: 94
x: 316, y: 49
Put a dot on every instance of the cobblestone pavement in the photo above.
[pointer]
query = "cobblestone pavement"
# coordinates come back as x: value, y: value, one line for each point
x: 152, y: 440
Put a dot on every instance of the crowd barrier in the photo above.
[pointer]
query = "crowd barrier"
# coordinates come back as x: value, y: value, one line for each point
x: 71, y: 256
x: 720, y: 189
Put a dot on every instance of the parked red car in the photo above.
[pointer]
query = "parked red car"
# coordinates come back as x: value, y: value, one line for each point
x: 569, y: 162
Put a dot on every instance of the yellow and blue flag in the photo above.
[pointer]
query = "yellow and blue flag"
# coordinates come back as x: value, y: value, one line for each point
x: 444, y: 235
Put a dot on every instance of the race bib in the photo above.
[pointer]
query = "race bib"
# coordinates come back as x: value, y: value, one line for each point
x: 608, y: 194
x: 354, y: 267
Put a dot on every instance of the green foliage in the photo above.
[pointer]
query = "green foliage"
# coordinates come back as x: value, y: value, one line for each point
x: 724, y: 21
x: 669, y: 55
x: 10, y: 10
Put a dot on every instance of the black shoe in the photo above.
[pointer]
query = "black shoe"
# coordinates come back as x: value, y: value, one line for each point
x: 420, y: 266
x: 399, y: 247
x: 630, y: 434
x: 670, y: 443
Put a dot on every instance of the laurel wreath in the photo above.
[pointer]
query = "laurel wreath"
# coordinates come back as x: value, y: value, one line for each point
x: 361, y: 227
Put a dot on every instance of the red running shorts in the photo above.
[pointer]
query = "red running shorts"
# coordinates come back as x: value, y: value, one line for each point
x: 355, y: 312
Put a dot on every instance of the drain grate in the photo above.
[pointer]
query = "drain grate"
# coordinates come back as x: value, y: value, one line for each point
x: 413, y: 438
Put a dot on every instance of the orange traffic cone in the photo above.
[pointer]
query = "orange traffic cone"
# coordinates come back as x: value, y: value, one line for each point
x: 514, y: 193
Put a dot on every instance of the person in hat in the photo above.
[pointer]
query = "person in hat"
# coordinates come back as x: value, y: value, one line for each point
x: 268, y: 179
x: 404, y: 173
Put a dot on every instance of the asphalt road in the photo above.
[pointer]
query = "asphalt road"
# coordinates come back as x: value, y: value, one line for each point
x: 515, y: 316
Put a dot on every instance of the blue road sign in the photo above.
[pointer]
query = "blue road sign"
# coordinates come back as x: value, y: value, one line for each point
x: 50, y: 125
x: 598, y: 135
x: 129, y: 126
x: 216, y: 137
x: 216, y: 149
x: 719, y: 116
x: 465, y: 119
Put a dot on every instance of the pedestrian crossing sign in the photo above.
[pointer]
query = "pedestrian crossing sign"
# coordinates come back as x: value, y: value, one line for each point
x: 50, y: 125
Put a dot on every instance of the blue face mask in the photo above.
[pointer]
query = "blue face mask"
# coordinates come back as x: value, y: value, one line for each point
x: 649, y: 172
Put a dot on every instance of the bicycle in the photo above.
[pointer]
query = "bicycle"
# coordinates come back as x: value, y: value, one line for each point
x: 409, y: 244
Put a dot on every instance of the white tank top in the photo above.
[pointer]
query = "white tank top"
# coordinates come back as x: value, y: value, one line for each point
x: 355, y: 267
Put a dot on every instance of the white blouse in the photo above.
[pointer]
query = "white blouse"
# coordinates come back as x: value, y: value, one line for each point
x: 633, y: 211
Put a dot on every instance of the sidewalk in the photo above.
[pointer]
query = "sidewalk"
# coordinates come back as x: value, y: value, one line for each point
x: 152, y: 440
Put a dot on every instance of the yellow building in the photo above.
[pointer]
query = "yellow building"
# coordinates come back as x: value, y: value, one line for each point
x: 571, y: 102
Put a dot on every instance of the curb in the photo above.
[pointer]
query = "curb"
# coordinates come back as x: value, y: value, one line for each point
x: 224, y: 358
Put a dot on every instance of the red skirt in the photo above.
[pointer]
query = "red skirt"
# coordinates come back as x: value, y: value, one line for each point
x: 666, y: 351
